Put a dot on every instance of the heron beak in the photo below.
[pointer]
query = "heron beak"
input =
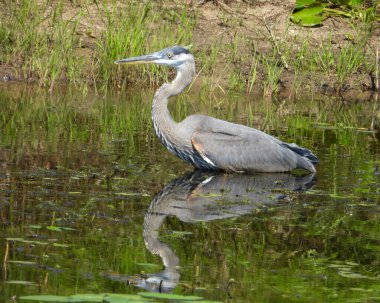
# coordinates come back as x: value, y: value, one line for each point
x: 139, y: 60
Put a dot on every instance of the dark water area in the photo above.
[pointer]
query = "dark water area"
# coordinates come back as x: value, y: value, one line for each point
x: 91, y: 202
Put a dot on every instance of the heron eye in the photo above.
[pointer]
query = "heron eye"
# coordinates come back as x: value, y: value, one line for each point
x: 169, y: 55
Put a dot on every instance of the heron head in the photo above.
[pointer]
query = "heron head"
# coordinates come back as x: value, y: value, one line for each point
x: 175, y: 56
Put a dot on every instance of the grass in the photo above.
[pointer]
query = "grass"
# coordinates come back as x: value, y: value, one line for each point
x: 48, y: 42
x: 56, y: 53
x: 121, y: 39
x: 273, y: 70
x: 47, y: 55
x: 324, y: 62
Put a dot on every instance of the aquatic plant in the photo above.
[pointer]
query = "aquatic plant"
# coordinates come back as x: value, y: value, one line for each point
x: 314, y: 12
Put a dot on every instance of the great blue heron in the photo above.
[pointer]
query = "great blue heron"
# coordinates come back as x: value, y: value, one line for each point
x: 213, y: 144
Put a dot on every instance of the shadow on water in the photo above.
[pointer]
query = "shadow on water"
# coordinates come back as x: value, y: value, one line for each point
x: 203, y: 197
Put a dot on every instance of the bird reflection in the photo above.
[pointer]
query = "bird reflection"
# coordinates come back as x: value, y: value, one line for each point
x: 205, y: 196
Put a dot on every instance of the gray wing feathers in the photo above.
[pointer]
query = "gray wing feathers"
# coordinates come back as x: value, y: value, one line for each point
x: 234, y: 147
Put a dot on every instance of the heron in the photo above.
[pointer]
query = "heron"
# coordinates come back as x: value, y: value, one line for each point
x: 213, y: 144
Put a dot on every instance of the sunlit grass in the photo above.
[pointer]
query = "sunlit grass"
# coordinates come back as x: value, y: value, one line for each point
x: 48, y: 42
x: 54, y: 54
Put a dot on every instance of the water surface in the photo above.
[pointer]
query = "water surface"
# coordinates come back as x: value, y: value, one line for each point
x: 90, y: 202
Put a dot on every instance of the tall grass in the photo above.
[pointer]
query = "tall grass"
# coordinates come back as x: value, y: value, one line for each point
x: 134, y: 30
x: 36, y: 39
x: 43, y: 40
x: 273, y: 70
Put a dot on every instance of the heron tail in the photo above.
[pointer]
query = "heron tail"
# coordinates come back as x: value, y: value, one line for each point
x: 304, y: 152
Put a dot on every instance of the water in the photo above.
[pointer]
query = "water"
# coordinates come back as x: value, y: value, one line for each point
x: 88, y: 195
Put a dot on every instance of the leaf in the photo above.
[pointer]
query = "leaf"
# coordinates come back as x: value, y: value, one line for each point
x: 20, y: 282
x: 88, y: 297
x: 312, y: 21
x: 26, y: 241
x: 352, y: 275
x: 355, y: 3
x: 67, y: 228
x: 35, y: 226
x: 61, y: 245
x: 306, y: 13
x: 305, y: 2
x: 128, y: 194
x: 50, y: 298
x: 59, y: 228
x: 110, y: 298
x: 124, y: 298
x: 341, y: 2
x: 22, y: 262
x: 155, y: 295
x: 302, y: 3
x: 54, y: 228
x: 15, y: 239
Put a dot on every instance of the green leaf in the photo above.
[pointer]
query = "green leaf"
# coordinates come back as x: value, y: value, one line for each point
x: 306, y: 13
x: 305, y: 2
x: 155, y: 295
x: 312, y: 21
x: 355, y: 3
x: 124, y: 298
x: 50, y: 298
x: 88, y: 297
x: 67, y: 228
x: 352, y: 275
x: 20, y: 282
x: 302, y: 3
x: 22, y: 262
x: 128, y: 194
x: 61, y: 245
x: 110, y: 298
x: 15, y: 239
x: 341, y: 2
x: 59, y: 228
x: 54, y: 228
x: 26, y: 241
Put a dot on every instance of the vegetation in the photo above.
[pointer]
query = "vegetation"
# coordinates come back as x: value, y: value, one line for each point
x: 77, y: 42
x: 314, y: 12
x: 55, y: 53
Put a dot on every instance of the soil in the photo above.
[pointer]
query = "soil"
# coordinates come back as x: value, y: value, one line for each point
x: 265, y: 23
x: 261, y: 23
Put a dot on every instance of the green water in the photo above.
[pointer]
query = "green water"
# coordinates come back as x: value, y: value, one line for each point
x: 88, y: 195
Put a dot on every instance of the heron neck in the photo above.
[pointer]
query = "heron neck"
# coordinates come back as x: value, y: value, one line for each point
x: 152, y: 223
x: 163, y: 122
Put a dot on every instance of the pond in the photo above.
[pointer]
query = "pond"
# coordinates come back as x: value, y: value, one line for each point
x: 92, y: 203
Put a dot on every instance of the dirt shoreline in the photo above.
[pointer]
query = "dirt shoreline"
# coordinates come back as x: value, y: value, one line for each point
x: 260, y: 27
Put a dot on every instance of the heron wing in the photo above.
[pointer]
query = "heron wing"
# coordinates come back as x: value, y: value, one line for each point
x: 246, y: 150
